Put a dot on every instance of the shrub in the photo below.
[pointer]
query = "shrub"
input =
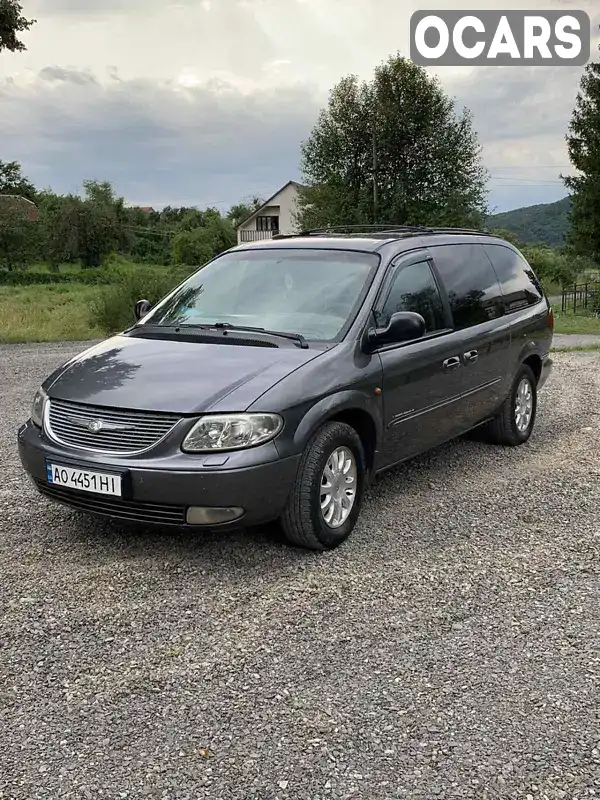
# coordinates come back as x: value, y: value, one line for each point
x: 111, y: 308
x: 21, y: 277
x: 551, y: 266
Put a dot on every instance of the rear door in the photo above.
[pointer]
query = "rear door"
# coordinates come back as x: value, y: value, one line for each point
x: 481, y: 332
x: 421, y: 379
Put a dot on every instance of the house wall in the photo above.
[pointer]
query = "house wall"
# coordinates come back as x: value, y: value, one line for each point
x: 282, y: 205
x: 287, y: 200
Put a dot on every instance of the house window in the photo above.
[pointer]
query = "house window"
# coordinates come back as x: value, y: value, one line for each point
x: 267, y: 223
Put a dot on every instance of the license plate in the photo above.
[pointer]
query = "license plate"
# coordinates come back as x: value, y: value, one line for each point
x: 83, y: 479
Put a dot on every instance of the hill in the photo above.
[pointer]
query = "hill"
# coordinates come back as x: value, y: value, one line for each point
x: 543, y: 224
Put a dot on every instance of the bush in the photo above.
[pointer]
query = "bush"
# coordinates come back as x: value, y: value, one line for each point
x: 21, y: 277
x: 92, y: 277
x: 111, y: 308
x: 551, y: 266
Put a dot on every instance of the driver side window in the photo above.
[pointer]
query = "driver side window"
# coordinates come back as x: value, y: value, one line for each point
x: 413, y: 288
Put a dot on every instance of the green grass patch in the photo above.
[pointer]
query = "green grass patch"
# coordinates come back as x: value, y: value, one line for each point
x: 46, y: 313
x: 79, y: 311
x: 576, y: 324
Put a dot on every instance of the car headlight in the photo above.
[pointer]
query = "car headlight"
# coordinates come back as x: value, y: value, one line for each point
x: 218, y: 432
x: 37, y: 407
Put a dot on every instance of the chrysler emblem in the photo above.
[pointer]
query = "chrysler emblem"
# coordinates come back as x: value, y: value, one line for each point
x: 95, y: 425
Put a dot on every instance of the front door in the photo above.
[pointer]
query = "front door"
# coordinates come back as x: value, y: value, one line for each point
x: 421, y: 379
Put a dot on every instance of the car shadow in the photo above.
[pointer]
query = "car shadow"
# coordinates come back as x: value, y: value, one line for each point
x: 100, y: 541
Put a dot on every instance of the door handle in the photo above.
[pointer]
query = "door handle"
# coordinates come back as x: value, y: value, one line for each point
x: 471, y: 356
x: 451, y: 363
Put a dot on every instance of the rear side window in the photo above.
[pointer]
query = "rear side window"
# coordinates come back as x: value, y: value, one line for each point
x: 472, y: 286
x: 520, y: 286
x: 413, y: 288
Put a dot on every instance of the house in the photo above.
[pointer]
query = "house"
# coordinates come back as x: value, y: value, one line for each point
x: 276, y: 215
x: 147, y: 210
x: 18, y: 207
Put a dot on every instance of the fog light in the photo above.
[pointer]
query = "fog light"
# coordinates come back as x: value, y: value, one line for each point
x: 199, y: 515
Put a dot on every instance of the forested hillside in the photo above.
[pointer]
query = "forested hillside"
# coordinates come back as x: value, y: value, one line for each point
x: 542, y: 224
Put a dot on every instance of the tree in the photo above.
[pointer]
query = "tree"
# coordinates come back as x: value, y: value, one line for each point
x: 509, y: 236
x: 15, y: 241
x: 195, y: 246
x: 551, y: 266
x: 12, y: 22
x: 402, y: 133
x: 583, y: 142
x: 192, y: 248
x: 86, y: 229
x: 12, y: 180
x: 241, y: 211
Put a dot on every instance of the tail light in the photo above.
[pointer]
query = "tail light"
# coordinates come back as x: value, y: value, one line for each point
x: 551, y: 317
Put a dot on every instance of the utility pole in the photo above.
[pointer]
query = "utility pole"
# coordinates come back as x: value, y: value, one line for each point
x: 375, y: 187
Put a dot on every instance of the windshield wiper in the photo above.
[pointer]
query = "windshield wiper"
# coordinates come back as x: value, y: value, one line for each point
x: 295, y: 337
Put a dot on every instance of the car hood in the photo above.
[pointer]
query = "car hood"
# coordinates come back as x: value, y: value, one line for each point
x: 182, y: 377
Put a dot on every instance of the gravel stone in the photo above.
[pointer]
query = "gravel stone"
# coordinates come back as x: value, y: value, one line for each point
x: 449, y: 650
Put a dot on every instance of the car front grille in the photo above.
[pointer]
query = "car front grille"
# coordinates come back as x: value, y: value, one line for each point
x: 114, y: 507
x: 107, y: 429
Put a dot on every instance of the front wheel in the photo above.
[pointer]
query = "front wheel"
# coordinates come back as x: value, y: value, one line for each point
x: 514, y: 422
x: 325, y: 500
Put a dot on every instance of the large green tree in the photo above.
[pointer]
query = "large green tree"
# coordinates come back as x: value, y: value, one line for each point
x: 394, y: 149
x: 12, y: 180
x: 18, y: 234
x: 583, y: 142
x: 85, y: 229
x: 12, y: 23
x: 201, y: 236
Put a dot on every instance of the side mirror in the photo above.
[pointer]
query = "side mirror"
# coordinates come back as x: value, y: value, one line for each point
x: 142, y: 307
x: 404, y: 326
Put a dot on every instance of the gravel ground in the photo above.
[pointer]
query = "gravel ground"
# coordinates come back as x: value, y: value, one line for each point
x: 449, y: 649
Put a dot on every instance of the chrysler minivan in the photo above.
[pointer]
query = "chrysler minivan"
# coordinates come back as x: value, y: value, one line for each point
x: 279, y: 379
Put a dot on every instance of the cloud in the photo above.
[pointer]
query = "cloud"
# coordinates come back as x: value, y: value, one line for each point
x: 196, y: 101
x: 158, y: 143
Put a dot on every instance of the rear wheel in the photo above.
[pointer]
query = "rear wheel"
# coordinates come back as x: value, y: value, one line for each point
x: 325, y: 500
x: 514, y: 422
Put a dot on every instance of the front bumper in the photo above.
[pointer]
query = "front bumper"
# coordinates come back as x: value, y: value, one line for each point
x: 159, y: 491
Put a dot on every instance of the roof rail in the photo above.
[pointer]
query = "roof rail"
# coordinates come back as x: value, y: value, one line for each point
x: 381, y: 231
x: 388, y: 228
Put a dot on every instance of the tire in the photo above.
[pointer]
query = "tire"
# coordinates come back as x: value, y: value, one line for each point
x: 303, y: 521
x: 503, y: 428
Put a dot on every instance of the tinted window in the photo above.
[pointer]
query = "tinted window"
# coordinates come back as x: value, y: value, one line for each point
x: 414, y: 289
x: 519, y: 284
x: 471, y: 283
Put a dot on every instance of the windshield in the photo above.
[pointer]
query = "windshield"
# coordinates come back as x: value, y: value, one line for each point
x: 307, y: 292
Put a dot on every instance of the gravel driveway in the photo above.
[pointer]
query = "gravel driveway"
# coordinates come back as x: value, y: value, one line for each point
x: 450, y: 649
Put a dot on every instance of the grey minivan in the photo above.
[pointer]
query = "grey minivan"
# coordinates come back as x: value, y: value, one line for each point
x: 280, y: 378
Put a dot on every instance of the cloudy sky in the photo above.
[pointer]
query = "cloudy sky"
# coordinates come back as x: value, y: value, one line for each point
x: 205, y: 102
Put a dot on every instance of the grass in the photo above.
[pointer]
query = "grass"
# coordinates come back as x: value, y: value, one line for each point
x: 576, y: 324
x: 46, y: 314
x: 59, y: 312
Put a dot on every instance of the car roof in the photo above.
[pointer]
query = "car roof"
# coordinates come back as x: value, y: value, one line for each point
x: 371, y: 241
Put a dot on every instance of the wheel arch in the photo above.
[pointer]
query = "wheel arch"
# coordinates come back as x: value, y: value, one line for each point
x: 355, y: 409
x: 530, y: 356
